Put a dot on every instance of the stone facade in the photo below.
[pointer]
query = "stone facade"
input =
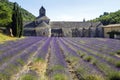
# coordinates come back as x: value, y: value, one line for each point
x: 42, y: 26
x: 110, y: 28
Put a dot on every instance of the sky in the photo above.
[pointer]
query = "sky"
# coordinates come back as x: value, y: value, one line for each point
x: 70, y: 10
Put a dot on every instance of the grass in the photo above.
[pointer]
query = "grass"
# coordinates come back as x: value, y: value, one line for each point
x: 39, y: 60
x: 88, y: 58
x: 4, y: 76
x: 118, y: 52
x: 54, y: 68
x: 82, y: 54
x: 94, y: 77
x: 60, y: 77
x: 72, y: 59
x: 114, y: 76
x: 117, y: 64
x: 28, y: 77
x: 57, y: 67
x: 20, y: 61
x: 4, y: 38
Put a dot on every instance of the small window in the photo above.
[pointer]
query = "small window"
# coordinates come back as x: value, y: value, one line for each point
x: 43, y: 33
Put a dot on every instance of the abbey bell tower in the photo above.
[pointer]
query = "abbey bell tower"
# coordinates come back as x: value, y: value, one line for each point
x: 42, y: 12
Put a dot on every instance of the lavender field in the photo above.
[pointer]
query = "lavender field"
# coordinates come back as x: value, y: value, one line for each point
x: 42, y: 58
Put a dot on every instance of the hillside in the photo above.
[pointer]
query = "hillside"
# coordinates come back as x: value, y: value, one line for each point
x: 4, y: 38
x: 109, y: 18
x: 6, y: 13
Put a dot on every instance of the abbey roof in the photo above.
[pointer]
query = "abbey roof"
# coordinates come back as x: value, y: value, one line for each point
x: 67, y: 24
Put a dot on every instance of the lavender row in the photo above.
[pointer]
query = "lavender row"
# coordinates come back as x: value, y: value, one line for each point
x: 44, y: 50
x: 17, y: 62
x: 37, y: 64
x: 4, y: 57
x: 101, y: 64
x: 110, y: 58
x: 57, y: 65
x: 82, y: 68
x: 107, y: 45
x: 12, y: 44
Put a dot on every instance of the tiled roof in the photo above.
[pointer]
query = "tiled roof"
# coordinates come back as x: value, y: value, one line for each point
x: 62, y: 24
x: 29, y: 24
x: 112, y: 25
x: 42, y: 25
x: 42, y: 18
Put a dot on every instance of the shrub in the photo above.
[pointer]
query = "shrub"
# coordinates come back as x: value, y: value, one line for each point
x: 28, y: 77
x: 20, y: 61
x: 94, y: 77
x: 4, y: 76
x: 118, y: 52
x: 117, y: 64
x: 88, y: 58
x: 57, y: 67
x: 60, y: 77
x: 114, y: 76
x: 82, y: 55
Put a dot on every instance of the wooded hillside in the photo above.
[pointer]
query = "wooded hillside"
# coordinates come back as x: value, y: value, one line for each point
x: 6, y: 13
x: 109, y: 18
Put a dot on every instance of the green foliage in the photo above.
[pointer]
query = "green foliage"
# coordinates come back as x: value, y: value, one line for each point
x: 6, y: 13
x: 57, y: 67
x: 4, y: 76
x: 109, y: 18
x: 114, y: 76
x: 4, y: 0
x: 88, y: 58
x: 28, y: 77
x: 17, y: 21
x: 60, y: 77
x: 81, y: 54
x: 118, y: 64
x: 118, y: 52
x: 39, y: 60
x: 20, y: 61
x: 27, y: 16
x: 94, y: 77
x: 72, y: 59
x: 80, y: 70
x: 114, y: 32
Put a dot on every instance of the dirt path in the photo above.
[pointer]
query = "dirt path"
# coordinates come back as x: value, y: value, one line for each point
x: 72, y: 71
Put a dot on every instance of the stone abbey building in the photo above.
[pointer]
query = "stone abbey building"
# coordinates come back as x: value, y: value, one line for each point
x: 42, y: 26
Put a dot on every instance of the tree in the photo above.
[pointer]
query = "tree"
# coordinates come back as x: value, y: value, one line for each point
x: 21, y: 25
x: 5, y: 14
x: 105, y: 13
x: 4, y: 0
x: 109, y: 18
x: 17, y: 22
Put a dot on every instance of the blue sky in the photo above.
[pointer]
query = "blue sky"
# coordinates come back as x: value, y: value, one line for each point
x: 70, y: 10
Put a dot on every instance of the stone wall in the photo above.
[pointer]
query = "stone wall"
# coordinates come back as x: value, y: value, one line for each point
x: 109, y: 29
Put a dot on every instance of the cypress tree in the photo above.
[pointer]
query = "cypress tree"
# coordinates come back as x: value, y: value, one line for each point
x: 21, y: 25
x: 17, y: 22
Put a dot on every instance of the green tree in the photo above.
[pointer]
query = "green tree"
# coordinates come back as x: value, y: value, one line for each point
x: 5, y: 14
x: 20, y: 24
x: 109, y: 18
x: 17, y: 22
